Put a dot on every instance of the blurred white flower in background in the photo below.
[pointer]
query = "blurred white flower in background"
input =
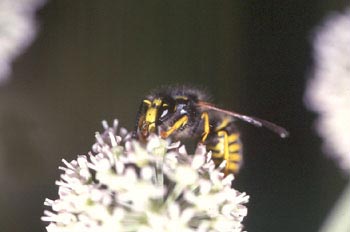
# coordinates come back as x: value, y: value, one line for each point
x: 328, y: 91
x: 125, y: 185
x: 17, y: 30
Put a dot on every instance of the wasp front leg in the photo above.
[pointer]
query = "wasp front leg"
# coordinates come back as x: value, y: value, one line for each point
x: 178, y: 124
x: 206, y: 127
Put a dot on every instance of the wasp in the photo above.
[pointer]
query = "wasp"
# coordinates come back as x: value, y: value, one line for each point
x: 181, y: 112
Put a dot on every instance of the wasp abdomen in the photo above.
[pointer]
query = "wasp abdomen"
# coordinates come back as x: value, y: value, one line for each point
x: 224, y: 143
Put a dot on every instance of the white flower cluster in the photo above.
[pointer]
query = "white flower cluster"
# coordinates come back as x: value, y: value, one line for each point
x: 328, y: 91
x: 17, y: 30
x: 125, y: 185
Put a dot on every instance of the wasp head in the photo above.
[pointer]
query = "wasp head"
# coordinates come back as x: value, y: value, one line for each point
x: 154, y: 113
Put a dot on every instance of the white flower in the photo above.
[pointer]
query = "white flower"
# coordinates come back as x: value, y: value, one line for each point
x: 328, y: 91
x: 17, y: 30
x: 124, y: 185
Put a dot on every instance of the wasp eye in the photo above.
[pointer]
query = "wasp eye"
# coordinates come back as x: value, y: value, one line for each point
x: 164, y: 113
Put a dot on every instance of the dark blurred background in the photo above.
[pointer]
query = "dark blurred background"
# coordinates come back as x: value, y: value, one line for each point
x: 95, y: 60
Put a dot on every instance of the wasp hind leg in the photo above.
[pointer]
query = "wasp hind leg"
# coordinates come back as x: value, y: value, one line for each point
x: 226, y: 147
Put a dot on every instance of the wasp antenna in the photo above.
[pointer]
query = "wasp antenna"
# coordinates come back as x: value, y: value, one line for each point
x: 283, y: 133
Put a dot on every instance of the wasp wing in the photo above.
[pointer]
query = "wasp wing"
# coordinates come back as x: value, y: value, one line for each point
x: 283, y: 133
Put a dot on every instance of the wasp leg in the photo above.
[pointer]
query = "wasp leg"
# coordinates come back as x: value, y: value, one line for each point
x: 227, y: 148
x: 206, y: 127
x: 179, y: 123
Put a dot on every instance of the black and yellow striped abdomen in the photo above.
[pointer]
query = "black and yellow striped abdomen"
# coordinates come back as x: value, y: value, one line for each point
x: 224, y: 143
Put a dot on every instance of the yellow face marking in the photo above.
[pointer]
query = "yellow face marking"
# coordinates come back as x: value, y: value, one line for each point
x: 157, y: 102
x: 149, y: 123
x: 205, y: 118
x: 165, y: 105
x: 181, y: 122
x: 147, y: 102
